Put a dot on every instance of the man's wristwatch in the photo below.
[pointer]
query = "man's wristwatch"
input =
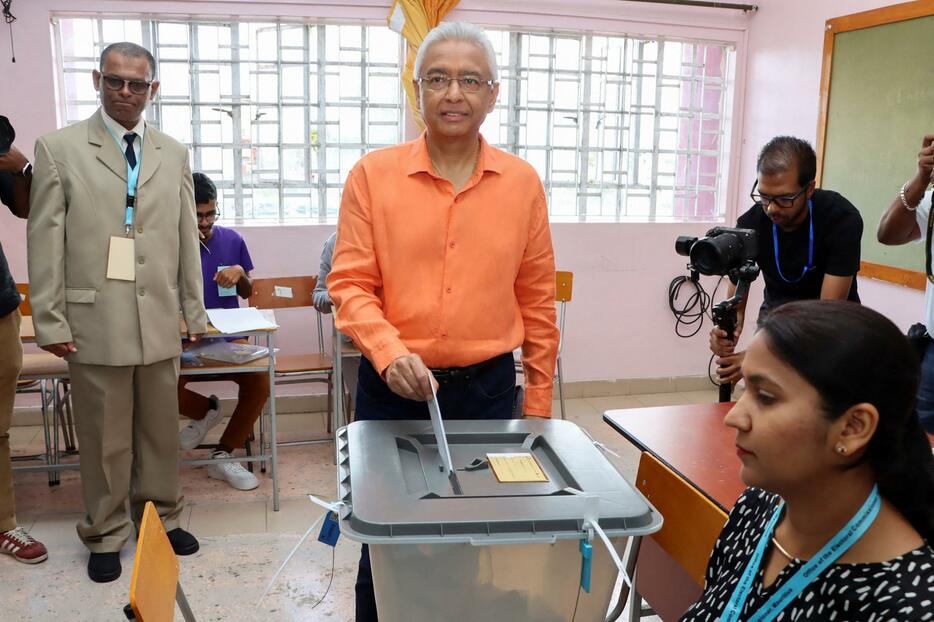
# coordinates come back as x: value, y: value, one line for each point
x: 27, y: 170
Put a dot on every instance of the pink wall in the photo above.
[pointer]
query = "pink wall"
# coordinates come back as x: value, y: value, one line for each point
x: 619, y: 325
x: 784, y: 70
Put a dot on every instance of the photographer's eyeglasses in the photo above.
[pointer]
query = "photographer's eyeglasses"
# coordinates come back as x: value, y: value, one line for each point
x: 468, y: 84
x: 784, y: 202
x: 115, y: 83
x: 209, y: 216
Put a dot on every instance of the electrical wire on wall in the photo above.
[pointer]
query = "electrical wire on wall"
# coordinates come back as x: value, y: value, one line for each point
x: 694, y: 309
x: 9, y: 18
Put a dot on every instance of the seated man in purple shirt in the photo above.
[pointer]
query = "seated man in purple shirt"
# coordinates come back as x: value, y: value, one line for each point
x: 225, y: 267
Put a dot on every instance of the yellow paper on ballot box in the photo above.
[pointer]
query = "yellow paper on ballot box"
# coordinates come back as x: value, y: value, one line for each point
x: 516, y: 467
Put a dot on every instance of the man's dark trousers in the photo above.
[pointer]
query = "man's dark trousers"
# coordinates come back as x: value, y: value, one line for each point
x: 485, y: 393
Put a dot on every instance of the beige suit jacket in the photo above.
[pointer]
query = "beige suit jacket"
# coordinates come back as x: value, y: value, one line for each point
x: 77, y: 203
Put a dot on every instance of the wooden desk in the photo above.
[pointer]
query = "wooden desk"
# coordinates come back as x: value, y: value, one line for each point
x: 693, y: 442
x: 268, y: 450
x: 27, y: 330
x: 689, y: 439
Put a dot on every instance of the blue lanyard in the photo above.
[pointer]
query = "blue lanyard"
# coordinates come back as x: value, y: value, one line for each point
x: 132, y: 177
x: 837, y: 546
x: 810, y: 266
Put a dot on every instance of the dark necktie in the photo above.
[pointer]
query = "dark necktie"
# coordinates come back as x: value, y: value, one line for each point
x: 129, y: 137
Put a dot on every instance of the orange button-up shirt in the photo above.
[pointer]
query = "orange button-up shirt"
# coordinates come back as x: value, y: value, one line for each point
x: 456, y: 278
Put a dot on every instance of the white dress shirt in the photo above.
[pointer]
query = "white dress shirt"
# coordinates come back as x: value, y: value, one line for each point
x: 119, y: 131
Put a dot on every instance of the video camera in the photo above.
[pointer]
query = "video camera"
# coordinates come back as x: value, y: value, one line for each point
x: 724, y: 251
x: 7, y: 135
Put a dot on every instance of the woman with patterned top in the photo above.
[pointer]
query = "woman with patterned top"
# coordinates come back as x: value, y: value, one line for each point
x: 839, y: 513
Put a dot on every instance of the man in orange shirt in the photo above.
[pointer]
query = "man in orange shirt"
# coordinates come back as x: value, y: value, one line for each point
x: 444, y: 263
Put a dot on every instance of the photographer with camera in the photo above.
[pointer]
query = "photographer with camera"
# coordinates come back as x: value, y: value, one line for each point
x: 808, y: 241
x: 908, y: 218
x: 15, y: 179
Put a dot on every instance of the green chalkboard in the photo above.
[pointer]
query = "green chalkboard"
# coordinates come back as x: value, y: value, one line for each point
x: 880, y: 104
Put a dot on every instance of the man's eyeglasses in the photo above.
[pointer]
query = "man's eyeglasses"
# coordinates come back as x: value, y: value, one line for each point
x: 115, y: 83
x: 209, y: 216
x: 467, y: 84
x: 784, y: 201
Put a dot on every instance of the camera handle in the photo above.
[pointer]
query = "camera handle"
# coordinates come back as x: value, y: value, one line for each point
x: 724, y: 312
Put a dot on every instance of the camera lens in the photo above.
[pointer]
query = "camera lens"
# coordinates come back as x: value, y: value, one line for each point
x: 683, y: 245
x: 716, y: 255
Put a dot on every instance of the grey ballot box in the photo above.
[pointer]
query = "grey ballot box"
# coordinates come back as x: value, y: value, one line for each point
x: 468, y: 547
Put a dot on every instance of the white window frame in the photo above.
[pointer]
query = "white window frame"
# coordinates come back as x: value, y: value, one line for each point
x: 605, y: 17
x: 325, y: 175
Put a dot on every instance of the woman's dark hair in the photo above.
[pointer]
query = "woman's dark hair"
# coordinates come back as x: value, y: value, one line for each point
x: 851, y: 354
x: 205, y: 190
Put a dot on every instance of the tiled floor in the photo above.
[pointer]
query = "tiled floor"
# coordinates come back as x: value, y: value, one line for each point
x: 243, y: 541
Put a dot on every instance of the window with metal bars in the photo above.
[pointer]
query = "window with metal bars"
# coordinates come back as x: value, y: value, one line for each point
x: 275, y: 113
x: 620, y: 128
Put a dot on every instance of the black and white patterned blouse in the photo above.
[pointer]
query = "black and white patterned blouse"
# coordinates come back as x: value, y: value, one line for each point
x: 899, y: 590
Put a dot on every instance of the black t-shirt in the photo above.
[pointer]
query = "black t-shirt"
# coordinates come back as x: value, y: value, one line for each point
x: 9, y: 296
x: 838, y: 229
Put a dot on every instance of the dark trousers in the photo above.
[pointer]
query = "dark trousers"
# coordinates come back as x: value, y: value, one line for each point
x: 925, y: 404
x: 487, y: 393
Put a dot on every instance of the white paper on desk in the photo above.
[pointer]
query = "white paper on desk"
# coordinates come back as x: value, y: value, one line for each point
x: 440, y: 437
x: 238, y: 321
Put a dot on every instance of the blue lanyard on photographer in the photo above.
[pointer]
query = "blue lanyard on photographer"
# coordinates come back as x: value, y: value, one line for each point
x: 132, y: 177
x: 810, y: 264
x: 831, y: 551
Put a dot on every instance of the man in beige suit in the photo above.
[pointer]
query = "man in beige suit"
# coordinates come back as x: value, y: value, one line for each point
x: 110, y: 265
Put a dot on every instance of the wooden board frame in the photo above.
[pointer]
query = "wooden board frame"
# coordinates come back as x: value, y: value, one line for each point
x: 857, y: 21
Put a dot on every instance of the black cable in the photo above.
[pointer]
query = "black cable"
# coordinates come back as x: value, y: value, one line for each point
x: 697, y: 306
x: 9, y: 18
x: 710, y: 376
x: 330, y: 581
x: 694, y: 309
x: 577, y: 602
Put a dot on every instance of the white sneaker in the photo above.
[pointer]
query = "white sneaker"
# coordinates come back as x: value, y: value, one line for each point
x: 232, y: 472
x: 193, y: 433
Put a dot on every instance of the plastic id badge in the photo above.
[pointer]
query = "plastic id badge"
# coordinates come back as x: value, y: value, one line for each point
x: 120, y: 259
x: 225, y: 291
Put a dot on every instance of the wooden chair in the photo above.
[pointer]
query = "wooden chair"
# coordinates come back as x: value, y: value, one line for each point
x: 289, y: 293
x: 47, y: 374
x: 692, y: 525
x: 342, y: 412
x: 154, y: 587
x: 24, y: 307
x: 564, y: 283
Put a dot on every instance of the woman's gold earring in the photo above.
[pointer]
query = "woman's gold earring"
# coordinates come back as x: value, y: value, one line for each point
x: 841, y: 450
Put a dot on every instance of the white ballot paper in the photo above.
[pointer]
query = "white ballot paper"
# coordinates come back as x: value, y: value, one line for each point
x: 438, y: 426
x: 241, y: 320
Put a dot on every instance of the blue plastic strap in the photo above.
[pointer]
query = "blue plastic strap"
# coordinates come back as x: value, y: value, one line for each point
x: 831, y: 551
x: 586, y: 564
x: 810, y: 264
